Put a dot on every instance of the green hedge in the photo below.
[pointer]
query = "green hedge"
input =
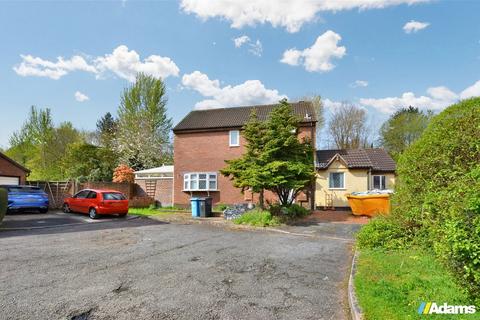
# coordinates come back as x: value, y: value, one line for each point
x: 437, y: 196
x: 3, y: 203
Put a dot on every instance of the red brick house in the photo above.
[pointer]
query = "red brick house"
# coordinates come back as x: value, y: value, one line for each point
x: 204, y: 139
x: 12, y: 172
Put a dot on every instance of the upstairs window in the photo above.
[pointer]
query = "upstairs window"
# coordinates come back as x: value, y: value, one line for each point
x: 336, y: 180
x: 379, y: 182
x: 200, y: 181
x: 234, y: 138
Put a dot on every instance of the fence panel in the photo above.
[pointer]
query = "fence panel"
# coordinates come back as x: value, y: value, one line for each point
x: 56, y: 190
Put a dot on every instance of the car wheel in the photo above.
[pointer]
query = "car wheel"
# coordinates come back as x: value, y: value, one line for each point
x: 44, y: 210
x: 66, y: 208
x: 93, y: 213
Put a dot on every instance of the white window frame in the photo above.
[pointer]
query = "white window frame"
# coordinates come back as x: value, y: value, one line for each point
x: 230, y: 138
x: 384, y: 181
x: 330, y: 179
x: 187, y: 181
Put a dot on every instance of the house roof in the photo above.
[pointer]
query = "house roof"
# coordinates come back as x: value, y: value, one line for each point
x: 14, y: 162
x: 375, y: 159
x: 236, y: 117
x: 162, y: 169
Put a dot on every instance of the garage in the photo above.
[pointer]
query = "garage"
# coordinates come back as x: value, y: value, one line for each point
x: 11, y: 172
x: 9, y: 180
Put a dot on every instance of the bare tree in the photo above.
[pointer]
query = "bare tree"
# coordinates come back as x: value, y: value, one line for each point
x: 348, y: 127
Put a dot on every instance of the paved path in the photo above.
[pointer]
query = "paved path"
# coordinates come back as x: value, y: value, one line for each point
x: 144, y: 269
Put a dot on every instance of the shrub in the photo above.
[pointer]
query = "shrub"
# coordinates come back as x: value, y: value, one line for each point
x: 383, y: 232
x: 123, y: 173
x: 437, y: 194
x: 257, y: 218
x: 220, y: 207
x: 291, y: 211
x: 3, y: 203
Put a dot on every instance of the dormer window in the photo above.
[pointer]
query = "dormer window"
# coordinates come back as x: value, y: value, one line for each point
x: 234, y: 138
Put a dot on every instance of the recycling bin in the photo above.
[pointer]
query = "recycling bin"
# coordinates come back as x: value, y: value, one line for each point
x: 205, y: 207
x: 195, y: 204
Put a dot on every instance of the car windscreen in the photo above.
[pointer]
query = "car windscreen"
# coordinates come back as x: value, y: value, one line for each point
x: 25, y: 190
x: 113, y: 196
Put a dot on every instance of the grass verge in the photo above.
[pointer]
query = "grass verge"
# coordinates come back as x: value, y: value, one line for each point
x: 257, y: 218
x: 150, y: 212
x: 393, y: 284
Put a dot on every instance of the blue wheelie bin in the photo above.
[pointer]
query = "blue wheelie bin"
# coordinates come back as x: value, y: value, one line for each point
x: 195, y: 203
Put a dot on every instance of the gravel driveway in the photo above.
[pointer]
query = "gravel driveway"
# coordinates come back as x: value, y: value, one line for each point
x: 143, y: 269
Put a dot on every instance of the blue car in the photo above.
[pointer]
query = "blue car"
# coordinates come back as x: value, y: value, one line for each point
x: 23, y: 198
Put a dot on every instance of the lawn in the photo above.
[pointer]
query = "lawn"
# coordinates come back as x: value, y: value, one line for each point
x: 393, y: 284
x: 153, y: 212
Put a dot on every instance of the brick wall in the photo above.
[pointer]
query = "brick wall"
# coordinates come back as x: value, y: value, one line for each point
x: 163, y: 191
x: 10, y: 170
x: 207, y: 152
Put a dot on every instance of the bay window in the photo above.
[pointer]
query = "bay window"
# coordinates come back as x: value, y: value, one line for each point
x: 200, y: 181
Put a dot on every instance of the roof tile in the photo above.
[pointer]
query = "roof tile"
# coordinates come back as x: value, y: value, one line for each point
x: 237, y: 117
x: 375, y: 159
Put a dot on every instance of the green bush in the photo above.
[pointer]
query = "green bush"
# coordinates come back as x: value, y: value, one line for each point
x: 220, y: 207
x: 291, y: 211
x: 257, y: 218
x: 3, y: 203
x: 383, y: 232
x: 437, y: 194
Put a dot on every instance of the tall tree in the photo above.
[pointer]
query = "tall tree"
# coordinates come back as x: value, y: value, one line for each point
x: 348, y: 127
x: 107, y: 130
x: 87, y: 162
x: 29, y: 145
x: 402, y: 129
x: 247, y: 171
x: 143, y: 126
x: 278, y: 161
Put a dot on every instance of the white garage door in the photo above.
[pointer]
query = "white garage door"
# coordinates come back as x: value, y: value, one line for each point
x: 9, y: 180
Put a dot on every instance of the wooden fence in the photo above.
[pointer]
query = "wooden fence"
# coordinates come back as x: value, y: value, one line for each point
x: 56, y: 190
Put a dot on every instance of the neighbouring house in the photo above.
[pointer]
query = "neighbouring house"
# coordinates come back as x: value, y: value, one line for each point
x: 156, y: 183
x: 340, y: 172
x: 204, y: 139
x: 11, y: 172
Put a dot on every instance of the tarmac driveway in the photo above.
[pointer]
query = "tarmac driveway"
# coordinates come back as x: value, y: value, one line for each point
x: 145, y: 269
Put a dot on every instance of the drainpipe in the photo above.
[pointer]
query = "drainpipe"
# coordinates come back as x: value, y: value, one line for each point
x: 369, y: 179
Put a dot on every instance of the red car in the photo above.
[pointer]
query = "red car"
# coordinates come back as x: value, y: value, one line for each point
x: 97, y: 202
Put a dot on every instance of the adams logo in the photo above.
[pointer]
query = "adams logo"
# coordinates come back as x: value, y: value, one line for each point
x: 433, y: 308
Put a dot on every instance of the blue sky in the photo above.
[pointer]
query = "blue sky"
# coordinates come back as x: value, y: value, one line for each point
x: 380, y: 55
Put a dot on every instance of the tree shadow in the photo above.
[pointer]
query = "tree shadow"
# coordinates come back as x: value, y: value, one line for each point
x: 57, y: 227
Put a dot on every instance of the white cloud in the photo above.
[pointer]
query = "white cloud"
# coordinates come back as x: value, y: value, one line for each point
x: 248, y: 93
x: 442, y: 93
x: 241, y: 41
x: 38, y: 67
x: 122, y: 62
x: 472, y: 91
x: 359, y: 83
x: 255, y: 48
x: 414, y: 26
x: 288, y: 14
x: 330, y: 104
x: 318, y: 57
x: 437, y: 98
x: 126, y: 64
x: 80, y: 97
